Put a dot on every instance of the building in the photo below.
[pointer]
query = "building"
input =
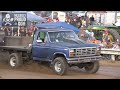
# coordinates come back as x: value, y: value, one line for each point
x: 105, y: 17
x: 98, y: 15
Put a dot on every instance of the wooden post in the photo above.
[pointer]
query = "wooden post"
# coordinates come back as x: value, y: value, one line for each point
x: 113, y: 57
x: 115, y: 16
x: 18, y: 30
x: 12, y: 31
x: 26, y: 31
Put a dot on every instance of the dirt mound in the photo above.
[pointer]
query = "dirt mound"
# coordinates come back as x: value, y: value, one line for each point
x: 36, y: 67
x: 33, y: 67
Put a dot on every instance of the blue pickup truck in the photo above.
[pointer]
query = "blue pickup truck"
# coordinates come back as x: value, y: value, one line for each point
x: 60, y: 47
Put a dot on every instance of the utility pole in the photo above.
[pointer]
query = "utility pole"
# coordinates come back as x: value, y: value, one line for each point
x: 115, y: 16
x: 87, y: 19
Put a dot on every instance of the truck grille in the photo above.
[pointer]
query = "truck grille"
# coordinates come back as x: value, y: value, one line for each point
x: 85, y: 51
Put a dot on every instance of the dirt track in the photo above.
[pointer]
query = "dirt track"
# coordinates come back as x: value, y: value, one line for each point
x: 107, y: 70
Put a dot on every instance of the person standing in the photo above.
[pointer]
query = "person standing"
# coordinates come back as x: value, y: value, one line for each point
x: 7, y: 31
x: 31, y: 29
x: 22, y: 31
x: 87, y: 21
x: 79, y: 22
x: 91, y: 33
x: 83, y: 22
x: 83, y: 35
x: 92, y: 20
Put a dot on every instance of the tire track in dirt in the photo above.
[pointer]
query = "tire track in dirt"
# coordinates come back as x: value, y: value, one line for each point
x: 41, y: 71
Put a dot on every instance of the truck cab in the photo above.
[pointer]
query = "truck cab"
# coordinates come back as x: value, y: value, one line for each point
x: 63, y: 49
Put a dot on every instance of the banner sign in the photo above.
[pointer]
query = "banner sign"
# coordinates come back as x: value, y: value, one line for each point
x: 14, y: 19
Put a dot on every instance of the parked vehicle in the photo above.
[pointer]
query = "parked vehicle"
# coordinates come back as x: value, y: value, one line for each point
x: 109, y: 52
x: 113, y: 30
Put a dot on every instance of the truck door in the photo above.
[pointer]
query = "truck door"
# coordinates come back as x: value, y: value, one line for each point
x: 41, y: 46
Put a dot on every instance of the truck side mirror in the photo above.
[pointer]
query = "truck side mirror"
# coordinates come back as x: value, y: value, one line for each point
x: 39, y: 41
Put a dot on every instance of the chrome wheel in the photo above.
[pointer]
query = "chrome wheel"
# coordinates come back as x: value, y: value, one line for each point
x: 58, y: 66
x: 13, y: 61
x: 119, y: 57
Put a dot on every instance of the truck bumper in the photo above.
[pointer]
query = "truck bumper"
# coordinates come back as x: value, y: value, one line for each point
x: 84, y: 60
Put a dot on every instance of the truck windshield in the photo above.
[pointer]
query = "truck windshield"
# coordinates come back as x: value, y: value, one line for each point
x: 62, y: 36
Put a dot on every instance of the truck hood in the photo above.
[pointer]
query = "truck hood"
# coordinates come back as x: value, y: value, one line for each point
x: 76, y: 44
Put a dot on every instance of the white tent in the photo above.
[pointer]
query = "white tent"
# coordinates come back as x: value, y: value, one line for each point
x: 33, y: 17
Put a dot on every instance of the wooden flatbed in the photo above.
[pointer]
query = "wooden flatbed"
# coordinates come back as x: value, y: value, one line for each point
x: 17, y: 48
x: 16, y: 43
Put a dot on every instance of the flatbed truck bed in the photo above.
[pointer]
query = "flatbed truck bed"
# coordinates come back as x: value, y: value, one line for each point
x: 18, y: 48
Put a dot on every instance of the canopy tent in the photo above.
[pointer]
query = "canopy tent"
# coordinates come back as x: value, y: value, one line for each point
x: 100, y: 27
x: 34, y: 17
x: 31, y: 16
x: 58, y: 25
x: 96, y: 27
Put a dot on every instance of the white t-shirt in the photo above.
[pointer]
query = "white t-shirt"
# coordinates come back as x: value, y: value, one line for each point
x: 91, y: 34
x: 87, y: 31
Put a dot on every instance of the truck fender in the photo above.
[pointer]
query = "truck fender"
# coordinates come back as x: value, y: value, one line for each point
x: 59, y: 54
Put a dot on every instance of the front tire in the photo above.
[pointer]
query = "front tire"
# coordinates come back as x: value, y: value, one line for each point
x: 92, y: 67
x: 15, y: 60
x: 60, y: 66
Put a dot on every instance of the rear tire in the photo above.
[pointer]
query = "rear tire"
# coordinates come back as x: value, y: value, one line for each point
x: 117, y: 58
x: 15, y: 60
x: 92, y: 67
x: 115, y: 34
x: 60, y: 66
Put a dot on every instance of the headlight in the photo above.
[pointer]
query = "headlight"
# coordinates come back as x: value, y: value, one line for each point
x: 72, y: 53
x: 72, y: 50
